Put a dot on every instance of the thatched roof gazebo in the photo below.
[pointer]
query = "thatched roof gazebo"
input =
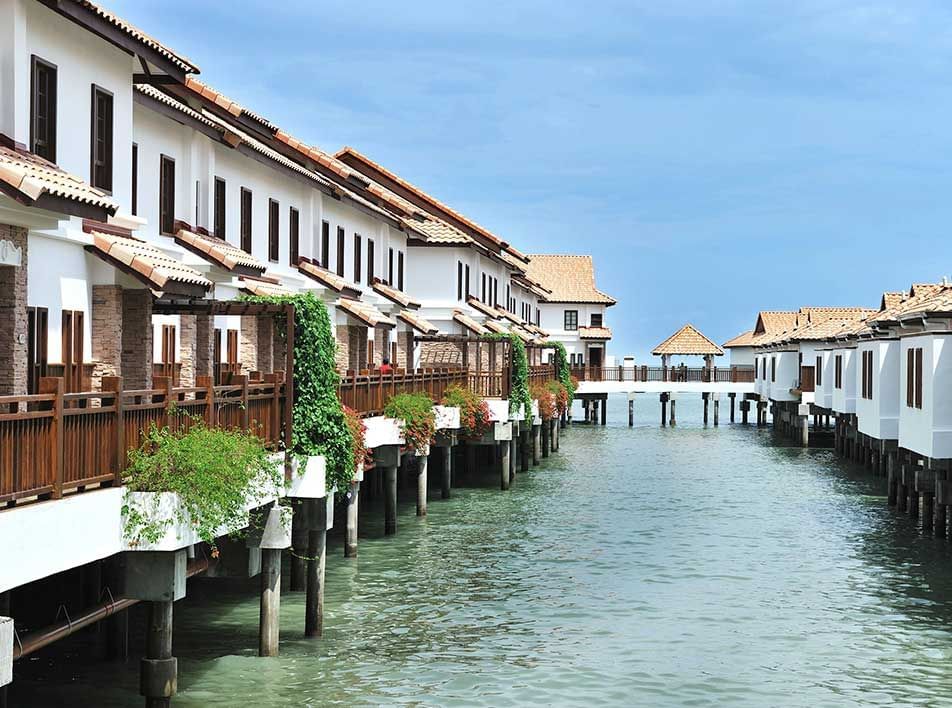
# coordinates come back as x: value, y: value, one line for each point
x: 688, y: 341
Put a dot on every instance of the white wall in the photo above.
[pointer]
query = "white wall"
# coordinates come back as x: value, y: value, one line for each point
x: 741, y: 356
x: 928, y: 431
x: 844, y: 398
x: 878, y: 416
x: 786, y: 377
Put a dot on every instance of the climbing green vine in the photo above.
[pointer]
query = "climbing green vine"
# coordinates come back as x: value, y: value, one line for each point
x: 565, y: 374
x: 319, y: 423
x: 519, y: 397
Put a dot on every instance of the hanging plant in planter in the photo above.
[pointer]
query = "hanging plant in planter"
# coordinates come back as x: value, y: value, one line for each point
x: 519, y: 398
x: 319, y: 426
x: 548, y: 407
x: 416, y: 412
x: 565, y: 375
x: 474, y: 415
x: 217, y: 474
x: 358, y: 430
x: 561, y: 394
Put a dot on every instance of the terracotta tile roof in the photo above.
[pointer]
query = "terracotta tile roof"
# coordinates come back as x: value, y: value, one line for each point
x: 171, y: 102
x: 502, y: 312
x: 819, y: 314
x: 349, y: 155
x: 774, y: 321
x: 594, y: 333
x: 219, y: 251
x: 936, y: 302
x: 394, y: 295
x: 919, y: 295
x: 567, y: 278
x: 468, y: 322
x: 366, y: 313
x: 482, y: 307
x: 532, y: 286
x: 128, y: 28
x: 745, y: 339
x: 687, y: 341
x: 418, y: 323
x: 891, y: 300
x: 149, y: 264
x: 523, y: 335
x: 496, y: 326
x: 226, y: 103
x: 263, y: 289
x: 30, y: 178
x: 328, y: 279
x: 437, y: 231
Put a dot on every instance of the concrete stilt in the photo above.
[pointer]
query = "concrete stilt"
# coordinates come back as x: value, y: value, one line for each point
x: 514, y: 449
x: 502, y: 453
x: 525, y: 446
x: 556, y: 435
x: 717, y: 408
x: 892, y: 486
x: 390, y: 501
x: 353, y: 502
x: 706, y: 403
x: 158, y: 678
x: 536, y: 444
x: 631, y: 412
x: 732, y: 397
x: 269, y: 623
x: 928, y: 511
x: 422, y: 467
x: 299, y: 538
x: 546, y: 427
x: 744, y: 410
x: 604, y: 409
x: 447, y: 480
x: 316, y: 565
x: 805, y: 430
x: 673, y: 419
x: 664, y: 409
x: 912, y: 501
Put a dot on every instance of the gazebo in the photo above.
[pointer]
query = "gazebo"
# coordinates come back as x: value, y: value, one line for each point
x: 688, y: 341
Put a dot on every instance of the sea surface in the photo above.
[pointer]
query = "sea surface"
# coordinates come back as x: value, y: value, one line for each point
x: 684, y: 566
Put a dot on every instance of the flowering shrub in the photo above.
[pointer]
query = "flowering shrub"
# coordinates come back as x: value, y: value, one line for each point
x: 358, y: 430
x: 474, y: 417
x: 419, y: 418
x: 548, y: 407
x: 557, y: 389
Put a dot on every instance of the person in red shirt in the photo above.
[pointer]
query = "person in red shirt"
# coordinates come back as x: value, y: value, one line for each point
x: 385, y: 367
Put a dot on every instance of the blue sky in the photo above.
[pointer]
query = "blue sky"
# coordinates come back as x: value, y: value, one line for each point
x: 716, y: 158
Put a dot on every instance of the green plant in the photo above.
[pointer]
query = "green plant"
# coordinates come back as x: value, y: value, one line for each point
x: 358, y: 431
x: 319, y: 423
x: 519, y: 398
x: 216, y: 473
x: 565, y: 373
x: 548, y: 408
x: 419, y: 418
x: 474, y: 415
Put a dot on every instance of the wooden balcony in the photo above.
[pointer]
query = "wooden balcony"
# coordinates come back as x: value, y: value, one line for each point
x: 674, y: 374
x: 367, y: 392
x: 55, y: 442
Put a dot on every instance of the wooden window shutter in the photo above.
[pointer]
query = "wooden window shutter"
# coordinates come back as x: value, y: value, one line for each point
x: 918, y: 377
x: 325, y: 244
x: 340, y: 251
x: 910, y: 377
x: 294, y: 236
x: 166, y: 195
x: 246, y: 216
x: 371, y: 255
x: 274, y: 244
x: 358, y: 256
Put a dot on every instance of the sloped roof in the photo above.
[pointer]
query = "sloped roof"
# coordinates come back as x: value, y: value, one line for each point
x: 891, y: 299
x: 602, y: 333
x: 219, y: 251
x: 264, y: 289
x: 687, y: 341
x: 938, y: 303
x: 496, y: 326
x: 396, y: 296
x: 418, y: 323
x: 568, y: 278
x: 468, y: 322
x: 774, y: 321
x: 328, y: 279
x: 482, y: 307
x: 149, y: 265
x: 745, y: 339
x: 918, y: 296
x: 366, y: 313
x: 33, y: 181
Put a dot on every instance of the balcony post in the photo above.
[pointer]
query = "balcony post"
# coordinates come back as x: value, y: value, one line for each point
x: 54, y: 385
x: 114, y: 384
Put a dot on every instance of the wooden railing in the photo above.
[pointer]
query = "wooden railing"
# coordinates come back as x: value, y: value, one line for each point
x: 733, y: 374
x: 367, y: 392
x: 54, y: 442
x: 541, y: 373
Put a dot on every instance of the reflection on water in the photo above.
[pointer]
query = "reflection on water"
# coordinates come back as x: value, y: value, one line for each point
x: 684, y: 566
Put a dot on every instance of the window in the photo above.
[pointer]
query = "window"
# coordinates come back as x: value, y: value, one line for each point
x: 597, y: 320
x: 390, y: 268
x: 100, y: 149
x: 36, y: 343
x: 43, y: 109
x: 838, y: 371
x: 370, y: 262
x: 246, y: 220
x: 294, y: 235
x: 135, y: 179
x: 166, y: 194
x: 819, y: 371
x: 773, y: 369
x: 509, y: 305
x: 400, y: 271
x: 914, y: 377
x: 357, y: 259
x: 274, y: 243
x: 466, y: 278
x: 340, y: 251
x: 571, y: 320
x: 538, y: 317
x: 482, y: 297
x: 220, y: 207
x: 72, y: 353
x: 325, y: 244
x: 459, y: 280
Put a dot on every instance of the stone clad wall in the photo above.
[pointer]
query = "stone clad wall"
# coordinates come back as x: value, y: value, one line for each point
x: 137, y: 334
x: 106, y: 328
x: 13, y: 318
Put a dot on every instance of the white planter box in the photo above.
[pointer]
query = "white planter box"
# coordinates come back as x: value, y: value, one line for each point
x: 447, y: 417
x: 382, y: 431
x: 311, y: 481
x: 498, y: 410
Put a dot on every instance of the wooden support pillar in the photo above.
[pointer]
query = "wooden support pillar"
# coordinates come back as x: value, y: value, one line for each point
x: 447, y: 479
x: 604, y: 409
x: 673, y: 420
x: 717, y: 407
x: 892, y: 483
x: 158, y: 671
x: 631, y: 412
x: 470, y: 459
x: 299, y: 540
x: 316, y: 565
x: 525, y: 445
x: 502, y: 456
x: 664, y: 409
x: 928, y: 511
x: 805, y: 430
x: 390, y: 500
x: 732, y: 397
x: 706, y: 403
x: 422, y: 467
x: 514, y: 448
x: 269, y: 622
x: 546, y: 428
x: 353, y: 504
x: 536, y: 444
x: 744, y: 411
